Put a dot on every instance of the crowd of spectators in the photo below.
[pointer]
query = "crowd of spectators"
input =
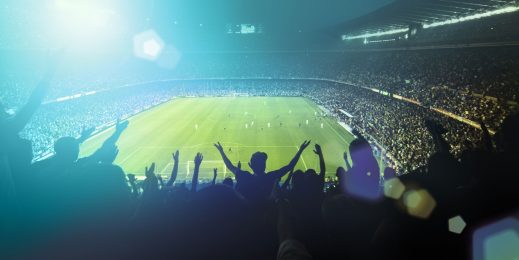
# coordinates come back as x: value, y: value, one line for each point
x: 372, y: 114
x: 66, y: 207
x: 470, y: 83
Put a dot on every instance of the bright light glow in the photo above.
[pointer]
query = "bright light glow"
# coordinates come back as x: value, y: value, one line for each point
x: 505, y: 10
x: 88, y: 26
x: 148, y: 45
x: 151, y: 48
x: 375, y: 34
x: 377, y: 41
x: 83, y: 15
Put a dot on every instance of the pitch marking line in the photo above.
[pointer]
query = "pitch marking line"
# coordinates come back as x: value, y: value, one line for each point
x: 131, y: 155
x: 302, y: 158
x: 340, y: 136
x: 165, y: 168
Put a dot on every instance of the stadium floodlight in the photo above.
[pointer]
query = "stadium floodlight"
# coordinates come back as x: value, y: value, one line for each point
x: 504, y: 10
x: 148, y: 45
x: 375, y: 34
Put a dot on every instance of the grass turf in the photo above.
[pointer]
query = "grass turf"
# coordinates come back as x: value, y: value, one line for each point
x: 155, y: 134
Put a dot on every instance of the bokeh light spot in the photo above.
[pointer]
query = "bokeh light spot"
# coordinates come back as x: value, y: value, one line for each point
x: 457, y: 225
x: 499, y: 240
x: 151, y: 48
x: 394, y: 188
x: 148, y: 45
x: 419, y: 203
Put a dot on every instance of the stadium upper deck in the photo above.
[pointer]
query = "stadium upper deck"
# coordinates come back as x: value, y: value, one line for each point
x: 420, y: 21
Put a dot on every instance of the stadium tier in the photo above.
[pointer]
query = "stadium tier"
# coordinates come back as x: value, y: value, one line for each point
x: 259, y: 130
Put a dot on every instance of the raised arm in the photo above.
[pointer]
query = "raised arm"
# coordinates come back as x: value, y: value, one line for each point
x: 322, y: 166
x: 284, y: 170
x: 198, y: 161
x: 487, y: 140
x: 436, y: 130
x: 85, y: 134
x: 151, y: 183
x: 226, y: 160
x: 174, y: 172
x: 108, y: 147
x: 20, y: 120
x: 119, y: 129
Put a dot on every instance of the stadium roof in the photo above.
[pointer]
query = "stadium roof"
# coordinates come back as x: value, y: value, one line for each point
x: 428, y: 13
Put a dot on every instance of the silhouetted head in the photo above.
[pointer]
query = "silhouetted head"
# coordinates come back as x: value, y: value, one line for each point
x: 311, y: 171
x: 258, y: 162
x: 228, y: 182
x: 67, y: 149
x: 360, y: 152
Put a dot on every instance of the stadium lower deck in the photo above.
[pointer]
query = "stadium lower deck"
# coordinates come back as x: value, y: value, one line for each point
x: 244, y: 125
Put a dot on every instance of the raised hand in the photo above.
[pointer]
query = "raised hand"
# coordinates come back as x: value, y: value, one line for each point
x: 150, y: 172
x: 86, y: 133
x: 198, y: 159
x: 175, y: 156
x: 121, y: 126
x: 151, y: 182
x: 318, y: 150
x: 322, y: 165
x: 304, y: 145
x: 219, y: 147
x: 226, y: 160
x: 174, y: 172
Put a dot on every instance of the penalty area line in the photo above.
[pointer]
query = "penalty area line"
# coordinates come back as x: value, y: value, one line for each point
x: 302, y: 158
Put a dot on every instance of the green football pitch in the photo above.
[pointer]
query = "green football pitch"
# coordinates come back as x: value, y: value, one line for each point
x: 241, y: 124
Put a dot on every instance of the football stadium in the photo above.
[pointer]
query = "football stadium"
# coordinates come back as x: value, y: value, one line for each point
x: 296, y: 129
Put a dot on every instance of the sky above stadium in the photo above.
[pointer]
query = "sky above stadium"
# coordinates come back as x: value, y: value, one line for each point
x: 188, y: 24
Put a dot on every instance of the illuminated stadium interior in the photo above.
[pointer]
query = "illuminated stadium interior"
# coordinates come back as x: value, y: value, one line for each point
x: 295, y: 129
